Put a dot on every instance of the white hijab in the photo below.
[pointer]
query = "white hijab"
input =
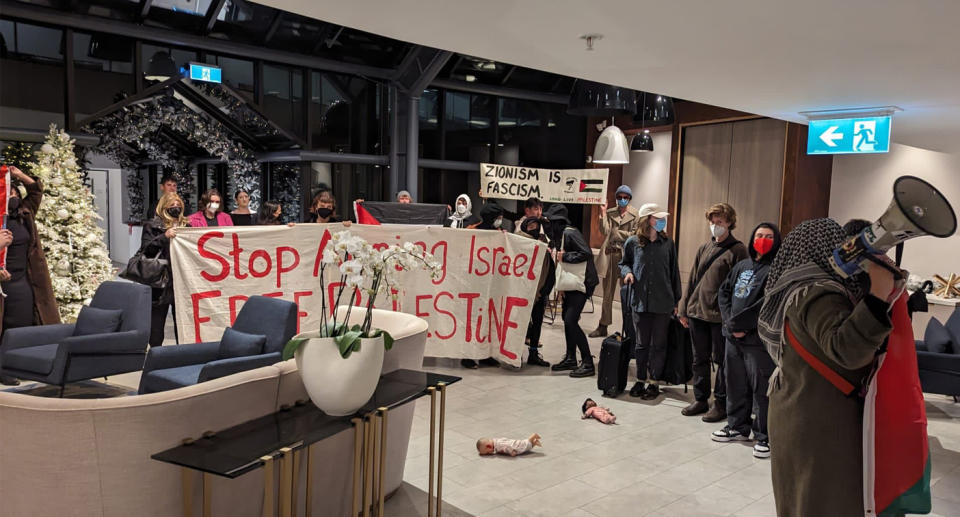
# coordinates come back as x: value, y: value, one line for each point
x: 458, y: 218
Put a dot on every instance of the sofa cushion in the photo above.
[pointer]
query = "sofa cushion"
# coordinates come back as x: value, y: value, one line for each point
x: 171, y: 378
x: 936, y: 338
x: 37, y: 359
x: 240, y: 344
x: 92, y: 320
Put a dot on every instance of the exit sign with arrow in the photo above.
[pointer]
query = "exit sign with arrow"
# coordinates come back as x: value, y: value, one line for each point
x: 849, y: 135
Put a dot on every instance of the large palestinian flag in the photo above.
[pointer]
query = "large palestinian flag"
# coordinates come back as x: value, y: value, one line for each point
x: 896, y: 455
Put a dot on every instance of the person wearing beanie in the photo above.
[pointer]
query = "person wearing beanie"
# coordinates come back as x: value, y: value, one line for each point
x: 404, y: 197
x: 617, y: 224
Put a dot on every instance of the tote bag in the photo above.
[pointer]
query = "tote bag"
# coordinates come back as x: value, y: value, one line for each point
x: 570, y: 277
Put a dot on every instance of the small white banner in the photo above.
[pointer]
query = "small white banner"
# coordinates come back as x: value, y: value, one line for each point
x: 584, y: 186
x: 479, y: 307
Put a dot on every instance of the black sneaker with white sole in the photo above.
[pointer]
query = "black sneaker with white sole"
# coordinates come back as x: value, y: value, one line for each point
x: 728, y: 434
x: 761, y: 449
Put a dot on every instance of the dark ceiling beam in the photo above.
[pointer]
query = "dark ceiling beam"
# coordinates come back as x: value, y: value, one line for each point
x: 166, y: 37
x: 430, y: 71
x: 325, y: 33
x: 506, y: 76
x: 210, y: 19
x: 145, y: 6
x: 19, y: 134
x: 420, y: 66
x: 274, y: 26
x: 500, y: 91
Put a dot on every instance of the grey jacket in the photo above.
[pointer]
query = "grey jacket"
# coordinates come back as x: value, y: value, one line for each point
x: 702, y: 303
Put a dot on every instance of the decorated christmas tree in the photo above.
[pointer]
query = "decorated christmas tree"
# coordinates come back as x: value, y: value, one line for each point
x: 67, y: 225
x: 20, y: 155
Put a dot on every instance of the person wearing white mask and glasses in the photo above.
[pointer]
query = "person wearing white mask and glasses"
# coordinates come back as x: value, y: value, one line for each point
x: 700, y: 311
x: 462, y: 216
x: 617, y: 224
x: 211, y: 211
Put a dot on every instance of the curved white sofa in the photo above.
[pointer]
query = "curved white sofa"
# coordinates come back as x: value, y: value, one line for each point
x: 69, y: 457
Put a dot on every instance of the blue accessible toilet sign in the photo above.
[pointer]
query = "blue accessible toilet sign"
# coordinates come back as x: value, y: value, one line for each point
x: 849, y: 135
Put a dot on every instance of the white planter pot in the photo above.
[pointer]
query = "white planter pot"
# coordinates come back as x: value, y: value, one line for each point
x: 339, y: 386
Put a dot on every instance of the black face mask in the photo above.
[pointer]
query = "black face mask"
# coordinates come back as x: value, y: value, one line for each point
x: 323, y: 213
x: 13, y: 205
x: 174, y: 212
x: 535, y: 230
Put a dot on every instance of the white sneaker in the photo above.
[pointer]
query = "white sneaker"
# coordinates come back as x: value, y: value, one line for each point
x: 761, y: 449
x: 728, y: 434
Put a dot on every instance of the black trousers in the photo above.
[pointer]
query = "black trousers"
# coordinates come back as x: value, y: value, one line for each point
x: 626, y: 312
x: 573, y: 303
x: 158, y: 317
x: 748, y: 369
x: 536, y: 322
x: 19, y: 306
x: 651, y: 349
x: 708, y: 345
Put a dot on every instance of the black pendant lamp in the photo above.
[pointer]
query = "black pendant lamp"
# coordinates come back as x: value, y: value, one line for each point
x: 642, y: 142
x: 592, y: 99
x: 657, y: 110
x: 161, y: 66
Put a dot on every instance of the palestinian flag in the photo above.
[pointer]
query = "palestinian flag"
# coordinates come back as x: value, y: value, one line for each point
x: 896, y: 454
x: 4, y: 196
x: 363, y: 216
x: 591, y: 185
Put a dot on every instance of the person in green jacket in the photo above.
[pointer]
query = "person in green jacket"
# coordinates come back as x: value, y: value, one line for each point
x: 819, y: 325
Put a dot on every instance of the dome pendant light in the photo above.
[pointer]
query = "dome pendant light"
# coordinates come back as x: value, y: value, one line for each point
x: 591, y: 99
x: 612, y: 147
x: 642, y: 143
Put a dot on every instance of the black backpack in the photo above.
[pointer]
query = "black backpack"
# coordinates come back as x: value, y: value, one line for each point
x: 678, y: 367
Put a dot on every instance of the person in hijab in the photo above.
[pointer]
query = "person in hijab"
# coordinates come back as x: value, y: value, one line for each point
x: 462, y: 216
x: 570, y: 247
x: 532, y: 227
x: 155, y: 241
x: 29, y: 298
x: 813, y: 316
x: 748, y: 365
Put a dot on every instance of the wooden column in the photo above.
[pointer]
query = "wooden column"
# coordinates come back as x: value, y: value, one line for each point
x: 806, y: 181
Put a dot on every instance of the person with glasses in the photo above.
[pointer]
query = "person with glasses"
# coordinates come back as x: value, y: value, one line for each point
x: 617, y: 224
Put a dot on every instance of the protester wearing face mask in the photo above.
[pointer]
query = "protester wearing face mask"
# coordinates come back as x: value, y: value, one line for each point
x: 155, y: 241
x: 462, y: 216
x: 491, y: 217
x: 242, y: 215
x: 700, y: 312
x: 747, y: 365
x: 617, y: 224
x: 26, y: 282
x: 533, y: 226
x: 211, y: 212
x: 650, y: 272
x: 324, y: 208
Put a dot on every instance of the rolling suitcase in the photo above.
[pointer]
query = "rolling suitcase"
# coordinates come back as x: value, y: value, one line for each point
x: 612, y: 369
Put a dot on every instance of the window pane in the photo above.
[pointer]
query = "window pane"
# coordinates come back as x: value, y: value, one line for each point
x: 181, y: 57
x: 31, y: 82
x: 347, y: 114
x: 467, y: 120
x: 237, y: 74
x: 103, y: 65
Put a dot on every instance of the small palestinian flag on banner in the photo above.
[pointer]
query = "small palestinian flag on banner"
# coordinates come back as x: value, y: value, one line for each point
x: 591, y: 185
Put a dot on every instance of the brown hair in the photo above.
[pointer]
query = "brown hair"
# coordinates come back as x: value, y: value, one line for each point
x: 643, y: 229
x: 165, y: 201
x: 205, y: 199
x: 725, y: 211
x: 324, y: 195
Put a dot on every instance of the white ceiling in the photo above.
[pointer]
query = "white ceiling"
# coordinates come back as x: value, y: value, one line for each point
x: 770, y: 57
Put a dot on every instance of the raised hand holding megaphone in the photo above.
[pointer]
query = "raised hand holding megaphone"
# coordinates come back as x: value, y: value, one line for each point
x: 917, y: 209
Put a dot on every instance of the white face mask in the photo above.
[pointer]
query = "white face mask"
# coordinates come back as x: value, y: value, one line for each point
x: 461, y: 209
x: 213, y: 206
x: 717, y: 231
x: 498, y: 222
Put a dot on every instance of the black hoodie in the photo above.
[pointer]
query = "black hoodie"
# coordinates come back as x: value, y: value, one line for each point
x: 575, y: 247
x: 741, y: 294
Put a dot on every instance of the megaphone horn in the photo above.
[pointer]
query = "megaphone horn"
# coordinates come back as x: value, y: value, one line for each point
x: 917, y: 209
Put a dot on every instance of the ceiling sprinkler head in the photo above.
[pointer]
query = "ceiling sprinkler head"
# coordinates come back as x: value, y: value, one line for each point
x: 590, y: 39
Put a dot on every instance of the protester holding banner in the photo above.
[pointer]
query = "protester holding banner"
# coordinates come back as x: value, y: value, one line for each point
x: 29, y: 298
x: 532, y: 209
x: 155, y: 242
x: 462, y: 216
x: 700, y: 312
x: 242, y: 215
x: 404, y: 197
x: 649, y: 268
x: 211, y: 211
x: 827, y: 332
x: 532, y: 227
x: 270, y: 213
x: 5, y: 238
x: 324, y: 208
x: 617, y: 224
x: 570, y: 247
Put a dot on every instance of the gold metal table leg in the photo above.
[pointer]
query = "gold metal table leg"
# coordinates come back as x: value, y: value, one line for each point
x: 286, y: 481
x: 308, y: 497
x: 207, y: 495
x: 383, y: 459
x: 186, y: 477
x: 358, y: 438
x: 433, y: 426
x: 268, y: 504
x: 442, y: 386
x: 295, y: 480
x: 370, y: 425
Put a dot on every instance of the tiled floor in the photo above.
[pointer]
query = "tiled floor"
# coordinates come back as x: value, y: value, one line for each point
x: 653, y: 462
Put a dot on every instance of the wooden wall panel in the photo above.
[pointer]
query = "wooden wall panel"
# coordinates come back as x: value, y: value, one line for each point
x: 705, y: 179
x: 806, y: 181
x: 756, y: 173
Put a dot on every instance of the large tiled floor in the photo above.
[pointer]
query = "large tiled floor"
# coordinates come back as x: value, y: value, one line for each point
x: 653, y: 462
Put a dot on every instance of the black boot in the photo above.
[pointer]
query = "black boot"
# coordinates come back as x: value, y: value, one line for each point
x: 584, y: 370
x: 600, y: 331
x: 697, y: 407
x: 535, y: 358
x: 469, y: 363
x: 717, y: 413
x: 568, y: 363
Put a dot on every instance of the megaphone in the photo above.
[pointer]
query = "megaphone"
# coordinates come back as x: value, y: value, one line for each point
x: 917, y: 209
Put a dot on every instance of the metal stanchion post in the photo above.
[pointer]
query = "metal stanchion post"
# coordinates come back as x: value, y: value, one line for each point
x: 295, y: 480
x: 442, y: 386
x: 368, y: 465
x: 308, y: 497
x: 433, y: 426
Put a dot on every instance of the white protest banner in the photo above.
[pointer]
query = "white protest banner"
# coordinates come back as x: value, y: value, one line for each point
x: 584, y: 186
x: 479, y: 306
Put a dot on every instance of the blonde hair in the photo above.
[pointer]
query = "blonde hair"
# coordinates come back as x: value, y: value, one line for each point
x: 643, y: 230
x: 165, y: 201
x: 725, y: 211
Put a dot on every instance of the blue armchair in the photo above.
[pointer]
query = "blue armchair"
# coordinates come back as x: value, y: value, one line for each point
x: 938, y: 356
x: 52, y: 354
x: 171, y: 367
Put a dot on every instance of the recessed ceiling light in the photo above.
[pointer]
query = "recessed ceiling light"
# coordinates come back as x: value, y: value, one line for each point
x: 470, y: 78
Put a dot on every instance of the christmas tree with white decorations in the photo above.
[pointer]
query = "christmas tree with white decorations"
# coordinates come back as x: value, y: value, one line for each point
x: 67, y: 225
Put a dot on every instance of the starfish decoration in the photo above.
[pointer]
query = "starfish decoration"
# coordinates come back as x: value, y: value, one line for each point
x: 948, y: 288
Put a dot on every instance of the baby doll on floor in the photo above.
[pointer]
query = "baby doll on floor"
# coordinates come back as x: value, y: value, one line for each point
x: 590, y: 409
x: 506, y: 446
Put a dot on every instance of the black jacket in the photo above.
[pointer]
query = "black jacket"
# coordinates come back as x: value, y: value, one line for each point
x: 741, y: 294
x: 152, y: 241
x: 656, y: 284
x: 575, y: 247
